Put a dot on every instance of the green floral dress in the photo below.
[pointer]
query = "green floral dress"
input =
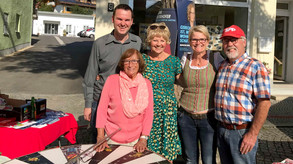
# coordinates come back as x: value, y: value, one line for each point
x: 164, y: 137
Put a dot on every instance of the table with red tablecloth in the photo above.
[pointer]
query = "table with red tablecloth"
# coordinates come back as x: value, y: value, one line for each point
x: 17, y: 142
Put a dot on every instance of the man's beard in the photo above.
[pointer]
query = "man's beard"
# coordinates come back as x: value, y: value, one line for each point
x: 232, y: 55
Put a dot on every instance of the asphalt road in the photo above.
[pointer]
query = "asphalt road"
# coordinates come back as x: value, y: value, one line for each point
x: 53, y: 68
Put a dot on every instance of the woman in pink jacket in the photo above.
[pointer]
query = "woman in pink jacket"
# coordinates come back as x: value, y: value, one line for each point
x: 127, y: 103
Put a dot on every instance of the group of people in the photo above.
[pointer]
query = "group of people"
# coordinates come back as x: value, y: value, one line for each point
x: 223, y: 104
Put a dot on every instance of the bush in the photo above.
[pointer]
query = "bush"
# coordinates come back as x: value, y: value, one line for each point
x: 81, y: 10
x: 44, y: 7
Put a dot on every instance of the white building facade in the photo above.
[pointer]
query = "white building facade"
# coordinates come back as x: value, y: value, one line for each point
x: 52, y: 23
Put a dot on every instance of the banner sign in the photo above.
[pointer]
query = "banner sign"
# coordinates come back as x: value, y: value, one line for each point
x: 168, y: 15
x: 186, y: 19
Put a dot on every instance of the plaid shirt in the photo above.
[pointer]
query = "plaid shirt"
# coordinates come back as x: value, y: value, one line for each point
x: 238, y: 87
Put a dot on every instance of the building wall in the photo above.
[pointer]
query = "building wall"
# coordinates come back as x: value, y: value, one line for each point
x: 77, y: 22
x: 263, y: 17
x: 104, y: 23
x: 15, y: 40
x: 289, y: 61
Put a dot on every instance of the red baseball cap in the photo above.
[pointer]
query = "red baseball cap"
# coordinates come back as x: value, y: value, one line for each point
x: 233, y: 31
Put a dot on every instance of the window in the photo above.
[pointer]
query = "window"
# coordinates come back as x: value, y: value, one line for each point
x: 85, y: 27
x: 5, y: 29
x: 17, y: 25
x: 68, y: 9
x: 282, y: 6
x: 68, y: 28
x: 51, y: 28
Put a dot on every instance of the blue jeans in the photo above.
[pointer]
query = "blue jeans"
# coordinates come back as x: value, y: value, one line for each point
x: 194, y: 131
x: 93, y: 121
x: 229, y: 142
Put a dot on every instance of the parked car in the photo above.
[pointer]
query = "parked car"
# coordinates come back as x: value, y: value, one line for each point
x: 82, y: 32
x: 90, y: 33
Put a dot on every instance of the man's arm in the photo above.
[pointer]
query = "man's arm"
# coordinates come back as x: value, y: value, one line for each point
x: 89, y: 80
x: 249, y: 139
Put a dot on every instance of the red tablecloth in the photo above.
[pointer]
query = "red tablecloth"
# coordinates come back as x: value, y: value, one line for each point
x: 16, y: 142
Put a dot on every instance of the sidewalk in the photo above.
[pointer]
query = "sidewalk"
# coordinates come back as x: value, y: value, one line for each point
x: 275, y: 138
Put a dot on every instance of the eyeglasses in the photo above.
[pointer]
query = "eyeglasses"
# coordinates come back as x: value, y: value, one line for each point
x: 201, y: 40
x: 232, y: 40
x: 130, y: 61
x: 153, y: 27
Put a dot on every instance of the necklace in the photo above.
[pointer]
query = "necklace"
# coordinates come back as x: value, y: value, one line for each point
x: 196, y: 63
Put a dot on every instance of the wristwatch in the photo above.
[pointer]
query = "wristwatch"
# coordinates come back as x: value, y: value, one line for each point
x: 144, y: 137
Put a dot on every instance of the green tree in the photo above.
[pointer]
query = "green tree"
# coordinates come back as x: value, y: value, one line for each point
x: 81, y: 10
x: 46, y: 8
x: 42, y: 6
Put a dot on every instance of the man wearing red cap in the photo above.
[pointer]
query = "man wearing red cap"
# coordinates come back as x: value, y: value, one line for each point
x: 242, y: 100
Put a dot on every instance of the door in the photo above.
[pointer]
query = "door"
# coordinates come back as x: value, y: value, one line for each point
x: 280, y: 48
x: 51, y: 28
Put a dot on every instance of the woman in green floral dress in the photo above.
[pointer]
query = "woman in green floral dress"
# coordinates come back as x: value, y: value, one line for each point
x: 161, y: 70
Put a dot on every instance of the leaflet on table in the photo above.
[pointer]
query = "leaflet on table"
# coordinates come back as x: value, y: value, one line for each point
x: 51, y: 117
x: 56, y: 114
x: 37, y: 124
x: 41, y: 123
x: 7, y: 121
x: 24, y: 125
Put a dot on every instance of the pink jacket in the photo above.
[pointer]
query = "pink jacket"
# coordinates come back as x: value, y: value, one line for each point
x: 110, y: 113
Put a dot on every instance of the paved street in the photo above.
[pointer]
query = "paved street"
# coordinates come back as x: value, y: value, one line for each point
x: 54, y: 69
x: 49, y: 69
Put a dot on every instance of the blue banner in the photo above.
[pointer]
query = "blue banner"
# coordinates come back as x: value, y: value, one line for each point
x: 186, y: 19
x: 168, y: 15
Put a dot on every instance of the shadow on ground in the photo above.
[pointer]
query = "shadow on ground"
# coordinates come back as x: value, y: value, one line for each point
x: 274, y: 151
x: 276, y: 141
x: 73, y: 56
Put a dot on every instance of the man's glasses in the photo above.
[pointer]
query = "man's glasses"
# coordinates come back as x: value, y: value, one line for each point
x: 130, y: 61
x: 153, y: 27
x: 232, y: 40
x: 201, y: 40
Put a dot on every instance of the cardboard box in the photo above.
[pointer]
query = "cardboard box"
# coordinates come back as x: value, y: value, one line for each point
x: 41, y: 107
x: 21, y: 110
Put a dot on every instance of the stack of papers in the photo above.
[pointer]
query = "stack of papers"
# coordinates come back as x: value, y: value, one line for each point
x: 51, y: 117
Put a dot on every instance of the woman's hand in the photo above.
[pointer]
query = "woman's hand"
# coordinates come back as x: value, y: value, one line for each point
x: 141, y: 145
x: 102, y: 146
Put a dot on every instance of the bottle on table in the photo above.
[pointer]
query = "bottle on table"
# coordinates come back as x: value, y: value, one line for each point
x: 33, y: 109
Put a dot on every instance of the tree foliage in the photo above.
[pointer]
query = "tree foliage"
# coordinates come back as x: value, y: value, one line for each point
x: 46, y: 8
x: 81, y: 10
x: 42, y: 6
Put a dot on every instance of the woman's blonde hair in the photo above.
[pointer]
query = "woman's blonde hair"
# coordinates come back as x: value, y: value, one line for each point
x: 199, y: 28
x: 189, y: 8
x: 151, y: 33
